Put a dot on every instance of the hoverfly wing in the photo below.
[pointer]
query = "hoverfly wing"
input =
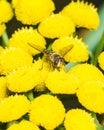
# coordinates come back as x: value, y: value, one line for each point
x: 65, y: 50
x: 38, y: 48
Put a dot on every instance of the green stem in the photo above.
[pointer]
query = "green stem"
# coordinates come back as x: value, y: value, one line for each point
x: 91, y: 56
x: 98, y: 50
x: 30, y: 95
x: 99, y: 126
x: 5, y: 39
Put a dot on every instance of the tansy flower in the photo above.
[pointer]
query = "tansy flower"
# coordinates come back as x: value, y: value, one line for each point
x: 78, y: 119
x: 12, y: 58
x: 13, y: 108
x: 14, y: 2
x: 33, y: 11
x: 91, y: 96
x: 56, y: 26
x: 3, y: 88
x: 44, y: 69
x: 69, y: 48
x: 1, y: 49
x: 82, y: 14
x: 60, y: 82
x: 6, y: 12
x: 23, y: 79
x: 2, y: 28
x: 47, y: 111
x: 25, y: 38
x: 23, y: 125
x: 86, y: 72
x: 41, y: 64
x: 101, y: 60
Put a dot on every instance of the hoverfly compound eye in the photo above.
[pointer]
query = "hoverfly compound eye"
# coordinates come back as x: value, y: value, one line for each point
x: 56, y: 61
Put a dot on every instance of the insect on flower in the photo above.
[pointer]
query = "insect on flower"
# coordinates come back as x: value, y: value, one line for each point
x: 56, y: 60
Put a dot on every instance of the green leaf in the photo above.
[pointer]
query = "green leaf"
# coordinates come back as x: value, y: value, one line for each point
x: 70, y: 65
x: 98, y: 50
x: 93, y: 38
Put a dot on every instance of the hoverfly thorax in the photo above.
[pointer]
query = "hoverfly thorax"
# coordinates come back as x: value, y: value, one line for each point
x: 55, y: 59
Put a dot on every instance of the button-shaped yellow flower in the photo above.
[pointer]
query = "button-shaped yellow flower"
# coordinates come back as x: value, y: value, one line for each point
x: 86, y: 72
x: 69, y: 48
x: 56, y: 26
x: 47, y: 111
x: 3, y: 88
x: 78, y: 119
x: 12, y: 58
x: 6, y: 12
x: 23, y: 125
x: 60, y: 82
x: 91, y: 96
x: 33, y: 11
x: 2, y: 28
x: 1, y: 49
x: 23, y: 79
x: 82, y: 14
x: 13, y: 108
x: 101, y: 60
x: 14, y: 2
x: 24, y: 37
x: 44, y: 68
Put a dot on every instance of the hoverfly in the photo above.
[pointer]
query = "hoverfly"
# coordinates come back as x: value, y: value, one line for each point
x: 55, y: 59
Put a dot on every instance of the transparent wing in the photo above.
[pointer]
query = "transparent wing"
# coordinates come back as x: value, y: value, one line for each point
x: 38, y: 48
x: 65, y: 50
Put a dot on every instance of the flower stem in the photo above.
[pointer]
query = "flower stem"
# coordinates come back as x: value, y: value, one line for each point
x: 91, y: 57
x: 5, y: 39
x: 30, y: 95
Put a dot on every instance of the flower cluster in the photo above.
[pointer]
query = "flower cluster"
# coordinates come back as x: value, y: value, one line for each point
x: 34, y: 80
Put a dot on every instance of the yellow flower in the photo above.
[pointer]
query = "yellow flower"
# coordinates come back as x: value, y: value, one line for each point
x: 41, y: 64
x: 56, y: 26
x: 91, y: 96
x: 44, y: 69
x: 2, y: 28
x: 82, y: 14
x: 1, y: 49
x: 3, y: 88
x: 25, y: 36
x: 78, y: 119
x: 44, y: 66
x: 101, y: 60
x: 14, y: 2
x: 6, y: 12
x: 23, y: 79
x: 23, y: 125
x: 69, y: 48
x: 86, y: 72
x: 47, y: 111
x: 13, y: 108
x: 60, y: 82
x: 33, y: 11
x: 12, y: 58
